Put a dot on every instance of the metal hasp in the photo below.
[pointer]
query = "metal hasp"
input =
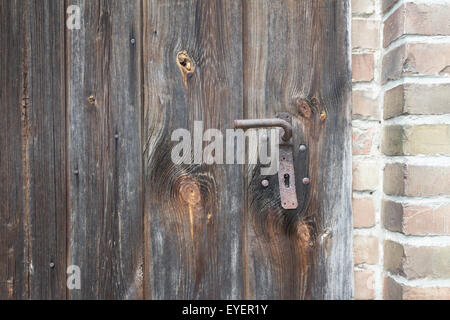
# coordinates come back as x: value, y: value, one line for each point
x: 286, y: 175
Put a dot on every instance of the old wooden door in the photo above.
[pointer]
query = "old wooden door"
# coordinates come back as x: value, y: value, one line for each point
x: 85, y: 149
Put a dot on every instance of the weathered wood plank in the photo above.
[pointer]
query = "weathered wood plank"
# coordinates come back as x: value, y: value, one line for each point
x: 104, y: 101
x: 47, y: 150
x: 34, y: 101
x: 295, y: 60
x: 14, y: 137
x: 193, y: 211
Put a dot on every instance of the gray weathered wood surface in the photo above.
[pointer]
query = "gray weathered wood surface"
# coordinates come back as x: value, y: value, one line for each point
x: 33, y: 151
x: 104, y: 106
x: 85, y: 146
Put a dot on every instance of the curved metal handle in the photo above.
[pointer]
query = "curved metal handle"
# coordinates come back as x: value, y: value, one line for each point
x: 264, y: 123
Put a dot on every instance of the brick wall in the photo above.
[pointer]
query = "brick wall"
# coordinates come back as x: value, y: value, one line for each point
x: 401, y: 148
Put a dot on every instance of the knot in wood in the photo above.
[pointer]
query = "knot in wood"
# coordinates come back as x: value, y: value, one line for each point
x: 303, y: 108
x: 185, y: 64
x: 190, y: 191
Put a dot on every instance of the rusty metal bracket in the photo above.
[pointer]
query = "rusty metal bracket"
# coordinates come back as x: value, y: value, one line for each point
x: 286, y: 175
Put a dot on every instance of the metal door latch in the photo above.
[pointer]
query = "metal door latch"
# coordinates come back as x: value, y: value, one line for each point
x: 286, y: 175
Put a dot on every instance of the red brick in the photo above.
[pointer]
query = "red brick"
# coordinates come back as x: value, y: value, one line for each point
x: 363, y: 213
x: 413, y: 59
x: 365, y: 34
x: 411, y: 180
x: 365, y: 176
x: 416, y: 262
x: 415, y: 140
x: 363, y: 7
x: 387, y: 5
x: 364, y: 284
x: 416, y: 219
x: 417, y: 99
x: 365, y: 105
x: 417, y: 19
x: 363, y: 140
x: 362, y: 67
x: 392, y: 290
x: 365, y: 250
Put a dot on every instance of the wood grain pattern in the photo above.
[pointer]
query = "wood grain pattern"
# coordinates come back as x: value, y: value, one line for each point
x: 47, y: 150
x: 14, y: 212
x: 295, y: 60
x: 193, y: 211
x: 85, y: 149
x: 33, y: 151
x: 104, y: 103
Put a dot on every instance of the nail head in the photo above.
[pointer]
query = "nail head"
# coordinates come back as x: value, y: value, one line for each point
x: 265, y: 183
x: 306, y: 181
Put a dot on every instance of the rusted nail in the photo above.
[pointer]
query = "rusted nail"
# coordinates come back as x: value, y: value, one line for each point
x: 265, y: 183
x: 306, y: 181
x: 302, y: 148
x: 52, y: 264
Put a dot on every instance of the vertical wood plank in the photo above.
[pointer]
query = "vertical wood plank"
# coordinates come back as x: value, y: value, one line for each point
x: 14, y: 135
x: 296, y: 60
x: 33, y: 215
x: 104, y: 99
x: 47, y: 162
x: 193, y: 211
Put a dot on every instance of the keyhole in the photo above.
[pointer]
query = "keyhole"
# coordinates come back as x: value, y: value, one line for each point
x: 286, y: 180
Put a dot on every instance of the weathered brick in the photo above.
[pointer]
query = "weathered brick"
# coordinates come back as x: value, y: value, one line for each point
x: 363, y: 212
x: 416, y: 262
x: 365, y: 34
x: 362, y: 67
x: 416, y: 59
x: 411, y: 180
x: 365, y: 105
x: 392, y: 140
x: 417, y: 99
x: 417, y: 18
x: 394, y: 26
x: 416, y: 219
x: 365, y: 175
x: 363, y: 8
x: 414, y: 140
x: 393, y: 257
x: 364, y: 284
x: 387, y: 4
x: 362, y: 140
x: 392, y: 290
x: 365, y: 249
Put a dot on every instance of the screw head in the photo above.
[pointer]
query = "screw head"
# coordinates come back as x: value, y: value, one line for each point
x: 265, y: 183
x: 133, y: 41
x: 306, y: 180
x: 302, y: 148
x: 52, y: 264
